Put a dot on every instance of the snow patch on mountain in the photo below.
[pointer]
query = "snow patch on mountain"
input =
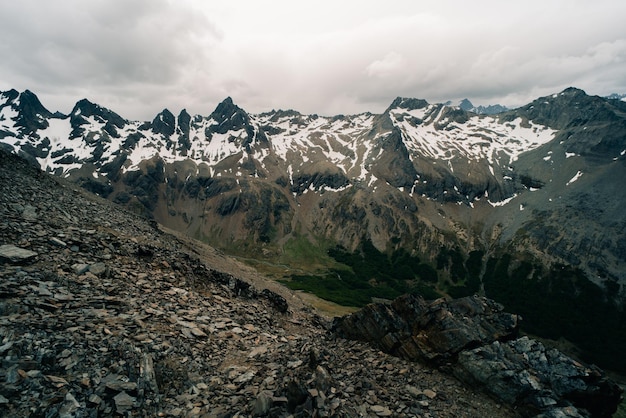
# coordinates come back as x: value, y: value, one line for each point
x: 502, y: 202
x: 576, y: 177
x: 478, y: 138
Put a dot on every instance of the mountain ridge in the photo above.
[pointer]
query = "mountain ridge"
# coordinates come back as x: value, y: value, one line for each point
x: 439, y: 153
x: 429, y: 149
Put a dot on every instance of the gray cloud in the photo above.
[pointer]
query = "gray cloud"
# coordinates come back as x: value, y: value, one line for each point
x: 120, y: 52
x: 137, y: 57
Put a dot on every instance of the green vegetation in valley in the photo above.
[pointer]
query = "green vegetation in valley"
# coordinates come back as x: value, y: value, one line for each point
x: 561, y: 303
x: 463, y: 272
x: 308, y: 256
x: 369, y: 273
x: 555, y: 303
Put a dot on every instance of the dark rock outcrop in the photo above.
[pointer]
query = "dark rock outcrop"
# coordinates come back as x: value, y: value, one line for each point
x: 319, y: 180
x: 524, y: 372
x: 164, y: 123
x: 475, y: 339
x: 184, y: 123
x: 394, y: 164
x: 415, y: 329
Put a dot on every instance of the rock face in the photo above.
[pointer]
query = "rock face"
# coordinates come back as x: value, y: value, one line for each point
x: 475, y: 340
x: 115, y: 318
x: 436, y: 331
x: 524, y: 372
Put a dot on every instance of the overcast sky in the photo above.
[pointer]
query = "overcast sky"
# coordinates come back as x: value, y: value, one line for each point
x: 137, y: 57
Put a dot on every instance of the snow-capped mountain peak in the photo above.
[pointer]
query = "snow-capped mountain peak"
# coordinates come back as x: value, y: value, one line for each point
x: 286, y: 141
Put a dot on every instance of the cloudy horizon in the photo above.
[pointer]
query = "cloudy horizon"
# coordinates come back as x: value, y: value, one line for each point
x: 138, y: 57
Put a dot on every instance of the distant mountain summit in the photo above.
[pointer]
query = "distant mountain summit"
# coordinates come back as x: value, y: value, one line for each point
x: 616, y: 96
x: 466, y: 105
x: 27, y: 114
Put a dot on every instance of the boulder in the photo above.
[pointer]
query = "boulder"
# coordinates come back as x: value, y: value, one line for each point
x: 434, y: 331
x: 525, y: 372
x: 15, y: 255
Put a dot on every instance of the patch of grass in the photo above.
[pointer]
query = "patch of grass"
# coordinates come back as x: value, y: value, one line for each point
x: 331, y: 287
x: 561, y: 302
x: 326, y: 307
x: 307, y: 255
x: 368, y: 273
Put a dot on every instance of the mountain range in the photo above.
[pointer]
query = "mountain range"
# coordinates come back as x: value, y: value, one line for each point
x: 499, y: 204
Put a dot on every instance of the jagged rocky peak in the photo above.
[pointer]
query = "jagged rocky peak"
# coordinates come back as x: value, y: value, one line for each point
x: 29, y: 102
x: 184, y: 118
x: 182, y: 129
x: 85, y: 109
x: 10, y: 95
x: 408, y: 103
x: 85, y: 113
x: 32, y: 115
x: 466, y: 104
x: 383, y: 122
x: 229, y: 116
x: 289, y: 113
x: 569, y: 108
x: 184, y: 122
x: 569, y: 96
x: 588, y: 125
x: 292, y: 115
x: 573, y: 92
x: 164, y: 123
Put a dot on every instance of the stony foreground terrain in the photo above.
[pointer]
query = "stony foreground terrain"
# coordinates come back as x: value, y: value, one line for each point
x: 102, y: 314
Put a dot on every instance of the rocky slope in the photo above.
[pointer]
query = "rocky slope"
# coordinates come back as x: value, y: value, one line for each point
x: 479, y: 343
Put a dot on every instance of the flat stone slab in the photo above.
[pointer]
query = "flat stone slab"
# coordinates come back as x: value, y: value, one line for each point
x: 12, y: 254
